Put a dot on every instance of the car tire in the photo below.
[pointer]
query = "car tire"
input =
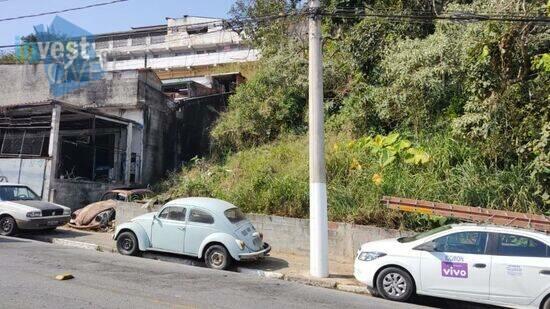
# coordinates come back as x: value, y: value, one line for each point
x: 8, y: 226
x: 546, y: 303
x: 217, y: 257
x: 127, y: 244
x: 395, y: 284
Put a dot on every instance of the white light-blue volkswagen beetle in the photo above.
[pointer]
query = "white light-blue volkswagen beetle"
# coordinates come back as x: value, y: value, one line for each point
x: 202, y: 227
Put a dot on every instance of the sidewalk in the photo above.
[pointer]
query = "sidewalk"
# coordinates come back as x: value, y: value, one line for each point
x: 277, y: 266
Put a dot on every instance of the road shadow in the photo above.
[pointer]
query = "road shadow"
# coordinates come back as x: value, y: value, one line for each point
x: 65, y: 233
x: 173, y: 258
x: 437, y: 302
x: 266, y: 264
x: 10, y: 240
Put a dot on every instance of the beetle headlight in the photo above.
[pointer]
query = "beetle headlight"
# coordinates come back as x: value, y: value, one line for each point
x: 369, y: 256
x: 34, y: 214
x: 240, y: 243
x: 67, y: 212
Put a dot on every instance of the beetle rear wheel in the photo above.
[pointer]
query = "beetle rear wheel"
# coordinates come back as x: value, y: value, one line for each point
x: 8, y: 227
x: 217, y: 257
x: 127, y: 244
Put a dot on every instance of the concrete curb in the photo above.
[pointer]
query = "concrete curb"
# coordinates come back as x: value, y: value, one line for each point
x: 260, y: 273
x: 323, y: 283
x: 72, y: 243
x: 357, y: 289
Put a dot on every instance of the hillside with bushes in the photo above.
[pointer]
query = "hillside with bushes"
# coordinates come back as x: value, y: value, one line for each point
x: 455, y: 112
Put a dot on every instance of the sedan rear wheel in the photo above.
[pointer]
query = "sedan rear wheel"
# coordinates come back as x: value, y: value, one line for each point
x: 217, y: 257
x: 8, y: 227
x: 395, y: 284
x: 127, y: 244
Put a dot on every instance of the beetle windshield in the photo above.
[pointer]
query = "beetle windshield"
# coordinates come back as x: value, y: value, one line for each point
x: 17, y: 193
x: 234, y: 215
x: 424, y: 234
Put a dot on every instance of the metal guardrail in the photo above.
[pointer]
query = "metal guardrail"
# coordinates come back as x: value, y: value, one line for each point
x: 469, y: 213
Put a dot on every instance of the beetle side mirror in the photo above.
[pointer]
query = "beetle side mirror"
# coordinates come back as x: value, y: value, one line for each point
x: 428, y: 246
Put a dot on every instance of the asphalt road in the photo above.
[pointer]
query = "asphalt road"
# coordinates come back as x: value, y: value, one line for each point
x: 28, y: 268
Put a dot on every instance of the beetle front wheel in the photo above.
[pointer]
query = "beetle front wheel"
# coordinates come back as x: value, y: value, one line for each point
x: 127, y: 244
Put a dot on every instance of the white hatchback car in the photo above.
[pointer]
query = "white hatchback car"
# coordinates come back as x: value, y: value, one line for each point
x: 480, y: 263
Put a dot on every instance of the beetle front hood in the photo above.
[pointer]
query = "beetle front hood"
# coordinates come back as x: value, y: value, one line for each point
x: 147, y: 216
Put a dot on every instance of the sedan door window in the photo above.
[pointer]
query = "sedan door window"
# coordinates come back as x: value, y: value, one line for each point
x: 515, y: 245
x: 173, y: 213
x: 463, y: 242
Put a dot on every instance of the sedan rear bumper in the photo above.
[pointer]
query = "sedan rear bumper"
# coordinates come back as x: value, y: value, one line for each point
x: 255, y: 255
x: 42, y: 223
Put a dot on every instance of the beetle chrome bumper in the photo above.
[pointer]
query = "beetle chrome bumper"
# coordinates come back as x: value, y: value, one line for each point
x: 255, y: 255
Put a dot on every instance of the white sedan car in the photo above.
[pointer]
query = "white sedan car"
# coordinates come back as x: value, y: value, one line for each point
x: 479, y: 263
x: 22, y: 209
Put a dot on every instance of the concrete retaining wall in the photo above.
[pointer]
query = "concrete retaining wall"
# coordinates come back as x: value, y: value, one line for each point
x: 291, y: 235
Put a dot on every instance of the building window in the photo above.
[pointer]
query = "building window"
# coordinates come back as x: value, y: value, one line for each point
x: 121, y: 42
x: 158, y: 39
x: 123, y: 58
x: 102, y: 44
x: 197, y: 29
x: 24, y: 142
x: 138, y: 40
x: 187, y: 53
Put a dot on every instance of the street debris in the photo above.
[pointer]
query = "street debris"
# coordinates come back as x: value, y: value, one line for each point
x: 64, y: 277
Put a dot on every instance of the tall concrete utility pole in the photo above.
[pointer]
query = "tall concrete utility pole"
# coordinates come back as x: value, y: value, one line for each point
x: 318, y: 220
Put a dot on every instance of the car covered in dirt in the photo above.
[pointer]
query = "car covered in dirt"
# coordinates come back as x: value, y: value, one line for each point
x: 100, y: 215
x: 22, y: 209
x: 206, y: 228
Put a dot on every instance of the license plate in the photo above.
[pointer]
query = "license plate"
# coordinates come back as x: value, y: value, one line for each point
x: 53, y: 222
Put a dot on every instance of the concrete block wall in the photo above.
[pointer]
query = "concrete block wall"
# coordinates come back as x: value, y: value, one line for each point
x: 77, y: 194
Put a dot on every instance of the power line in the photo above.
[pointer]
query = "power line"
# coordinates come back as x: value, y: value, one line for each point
x: 454, y: 16
x: 62, y: 11
x: 348, y: 13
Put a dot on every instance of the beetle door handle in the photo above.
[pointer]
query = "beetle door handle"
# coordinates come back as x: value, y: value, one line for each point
x: 480, y: 265
x: 545, y: 272
x: 181, y: 228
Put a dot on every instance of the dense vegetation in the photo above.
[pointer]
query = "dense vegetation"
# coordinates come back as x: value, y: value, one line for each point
x: 445, y: 111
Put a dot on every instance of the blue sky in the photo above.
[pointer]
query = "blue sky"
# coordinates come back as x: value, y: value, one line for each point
x: 116, y: 17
